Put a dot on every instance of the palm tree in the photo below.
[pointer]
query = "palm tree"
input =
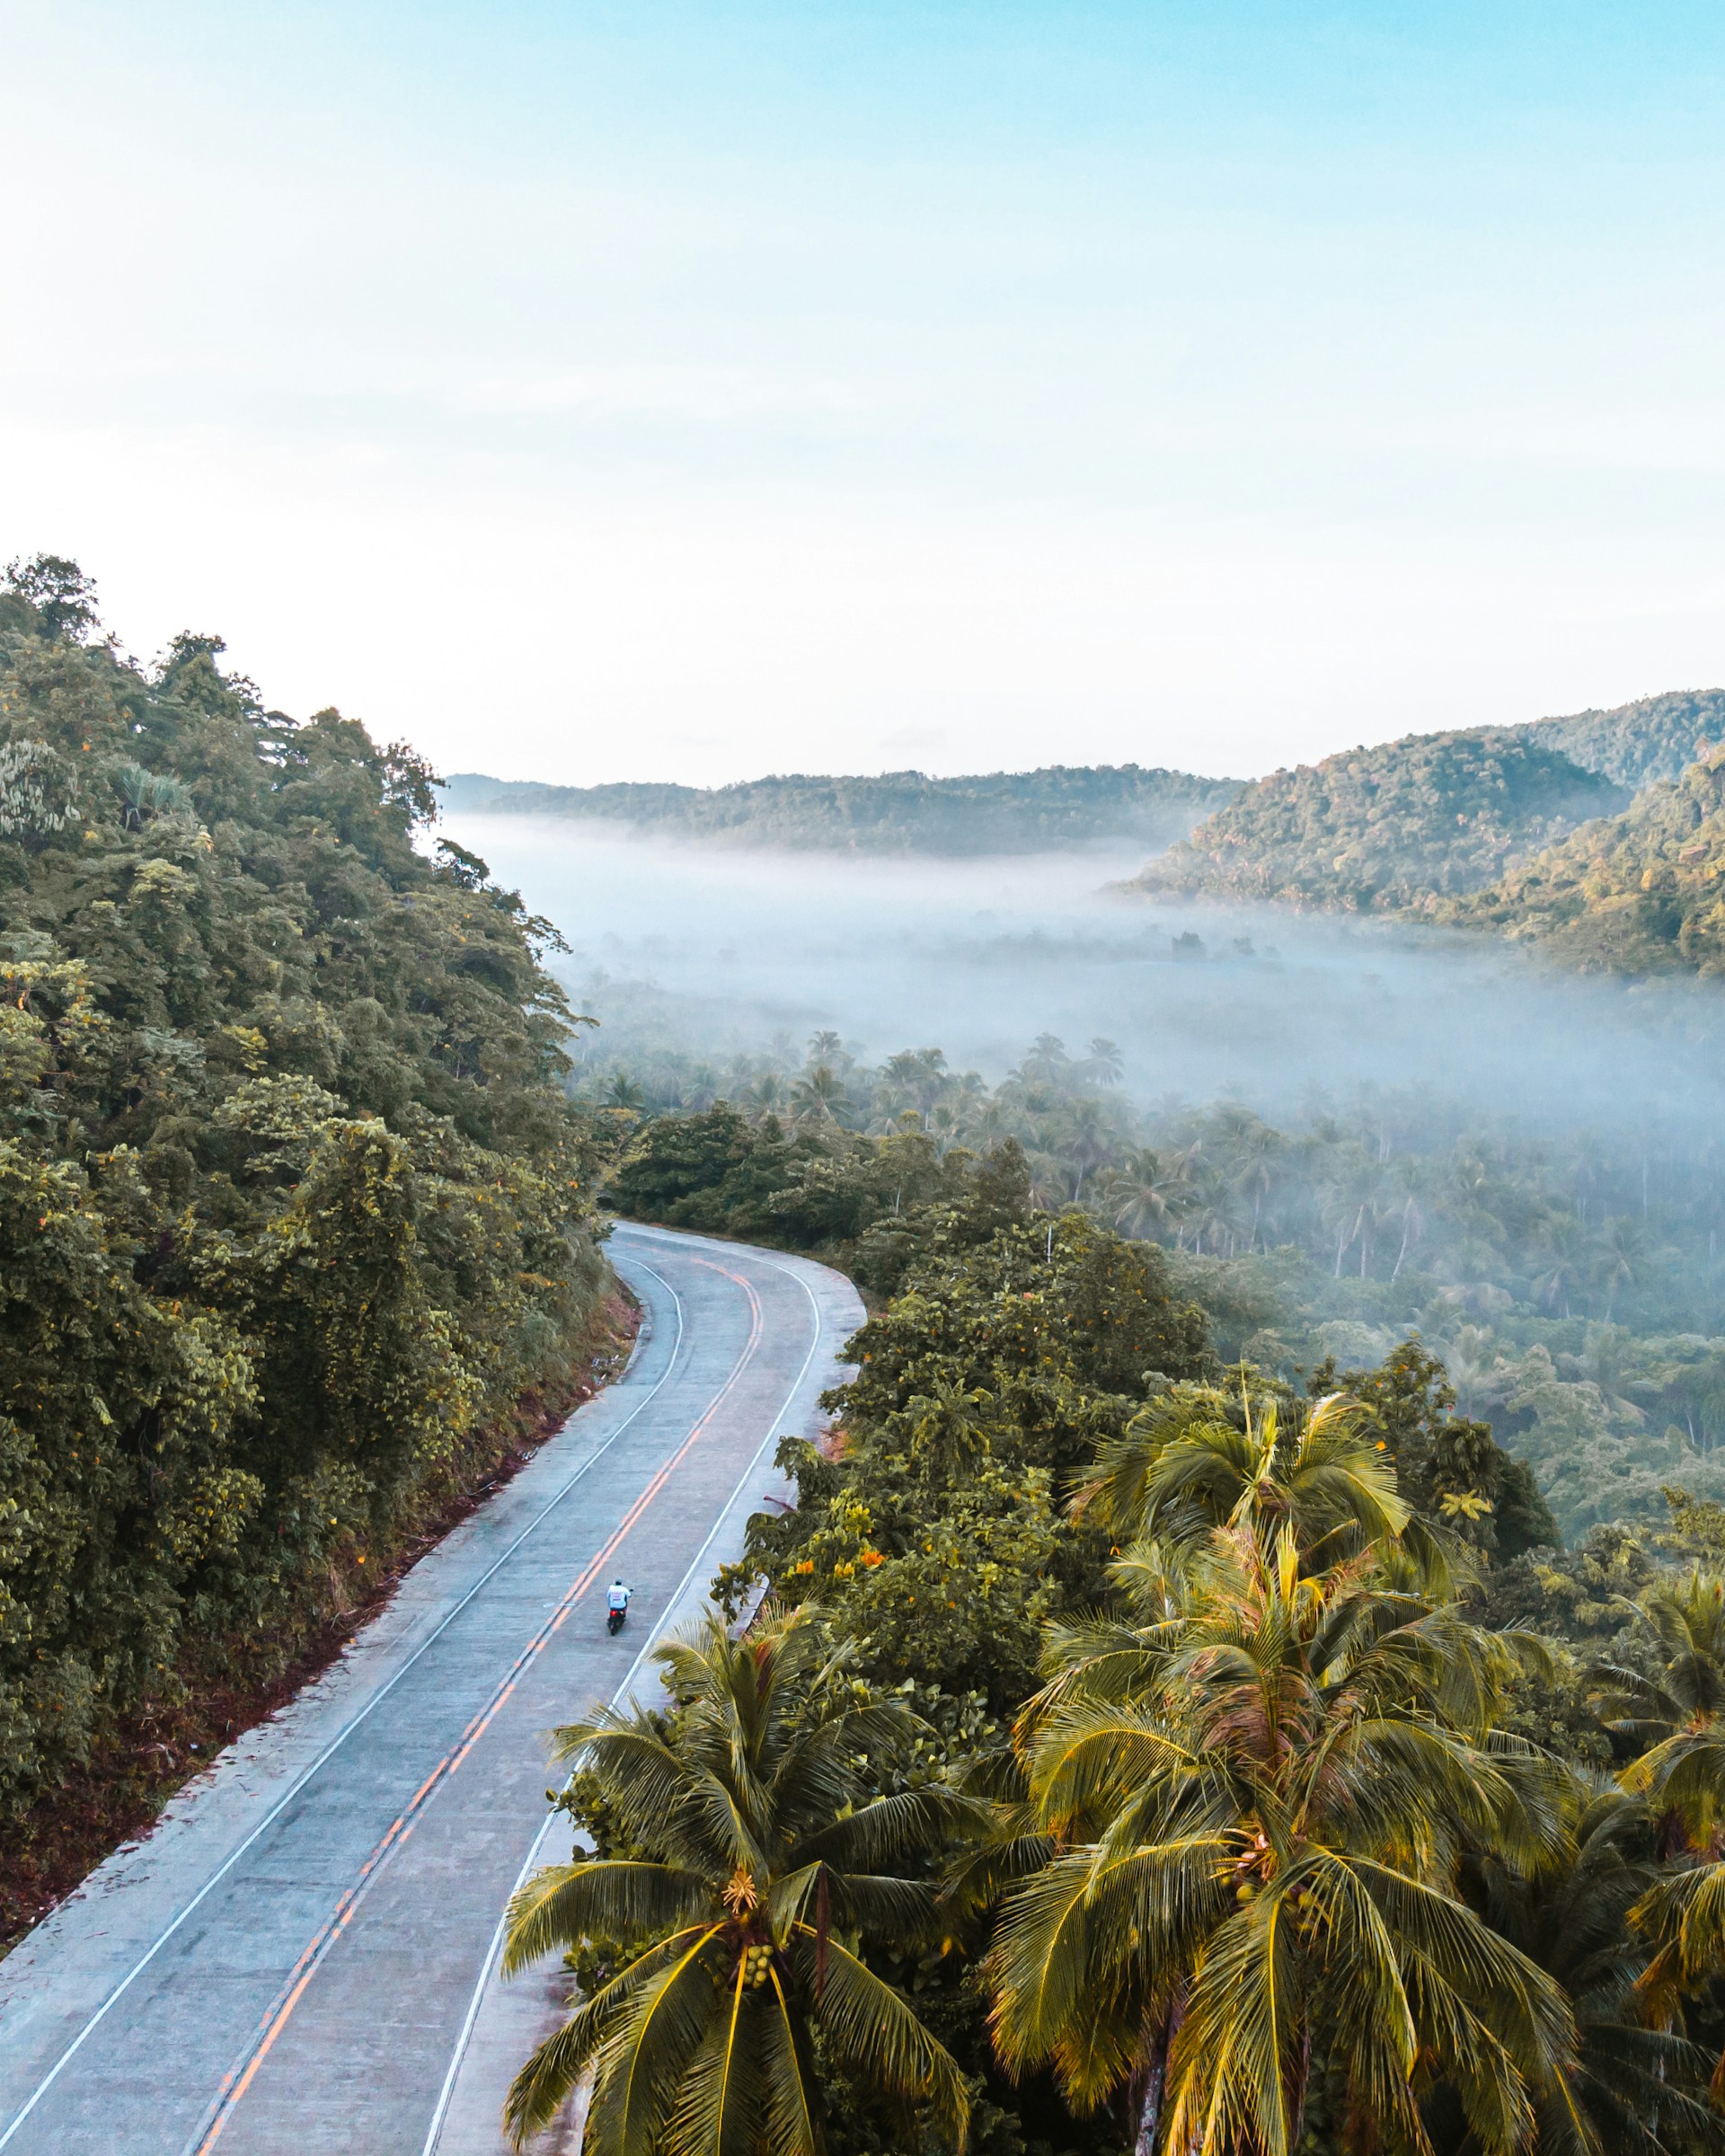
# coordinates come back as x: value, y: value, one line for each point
x: 1680, y: 1717
x: 1104, y: 1065
x: 1612, y: 1360
x: 1689, y: 1379
x: 1138, y: 1194
x: 820, y: 1097
x: 1622, y: 1259
x: 1410, y: 1178
x: 1195, y: 1459
x: 1631, y: 2088
x: 1214, y: 1218
x: 765, y: 1861
x: 1046, y: 1061
x: 1562, y: 1260
x: 1352, y: 1205
x: 1475, y: 1364
x: 1677, y: 1714
x: 767, y: 1097
x: 1085, y: 1139
x: 1683, y: 1774
x: 914, y: 1078
x: 1247, y: 1146
x: 948, y: 1427
x: 1255, y: 1862
x: 145, y: 794
x: 1048, y: 1181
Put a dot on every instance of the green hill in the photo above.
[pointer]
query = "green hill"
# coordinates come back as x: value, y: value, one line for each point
x: 1385, y: 828
x: 898, y: 812
x: 290, y: 1197
x: 1643, y: 891
x: 1638, y: 744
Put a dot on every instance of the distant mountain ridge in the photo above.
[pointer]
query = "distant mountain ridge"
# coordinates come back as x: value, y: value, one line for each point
x: 1403, y: 824
x: 1600, y: 836
x: 1639, y: 744
x: 1059, y: 806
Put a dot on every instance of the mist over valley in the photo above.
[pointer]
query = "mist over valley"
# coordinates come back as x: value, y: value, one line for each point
x: 689, y: 950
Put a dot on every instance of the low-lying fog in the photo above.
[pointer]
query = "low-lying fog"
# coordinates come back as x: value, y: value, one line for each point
x: 715, y: 951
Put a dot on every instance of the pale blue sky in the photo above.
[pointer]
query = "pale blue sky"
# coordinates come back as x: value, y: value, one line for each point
x: 697, y: 391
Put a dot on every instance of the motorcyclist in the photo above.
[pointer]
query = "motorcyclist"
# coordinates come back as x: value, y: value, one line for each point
x: 617, y: 1603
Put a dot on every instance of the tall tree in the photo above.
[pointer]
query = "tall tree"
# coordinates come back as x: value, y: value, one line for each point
x: 762, y: 1863
x: 1255, y: 1858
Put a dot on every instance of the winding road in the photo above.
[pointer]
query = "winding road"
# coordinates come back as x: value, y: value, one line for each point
x: 301, y: 1956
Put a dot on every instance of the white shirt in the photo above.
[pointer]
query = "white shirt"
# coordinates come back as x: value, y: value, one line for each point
x: 619, y: 1597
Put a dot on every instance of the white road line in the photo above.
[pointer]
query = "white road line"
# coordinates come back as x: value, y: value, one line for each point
x: 494, y: 1949
x: 336, y: 1742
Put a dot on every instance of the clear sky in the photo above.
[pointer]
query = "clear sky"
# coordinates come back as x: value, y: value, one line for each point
x: 698, y: 390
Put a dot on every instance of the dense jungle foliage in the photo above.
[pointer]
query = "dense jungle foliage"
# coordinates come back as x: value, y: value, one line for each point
x: 1387, y: 828
x: 899, y: 812
x: 1217, y: 1761
x: 1574, y: 1287
x: 292, y: 1202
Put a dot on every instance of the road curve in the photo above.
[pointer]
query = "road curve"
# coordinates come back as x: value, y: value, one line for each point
x: 301, y: 1956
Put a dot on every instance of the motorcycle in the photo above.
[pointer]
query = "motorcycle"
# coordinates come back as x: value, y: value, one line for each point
x: 613, y: 1621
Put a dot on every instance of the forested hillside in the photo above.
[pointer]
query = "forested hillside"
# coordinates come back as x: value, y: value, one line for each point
x: 1642, y: 892
x: 1386, y: 828
x: 1638, y: 744
x: 1597, y: 836
x: 900, y: 812
x: 292, y: 1205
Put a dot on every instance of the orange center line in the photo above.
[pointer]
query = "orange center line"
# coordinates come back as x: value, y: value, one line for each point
x: 239, y: 2079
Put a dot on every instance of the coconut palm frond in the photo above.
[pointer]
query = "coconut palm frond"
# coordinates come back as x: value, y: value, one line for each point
x: 752, y: 1806
x: 565, y: 1903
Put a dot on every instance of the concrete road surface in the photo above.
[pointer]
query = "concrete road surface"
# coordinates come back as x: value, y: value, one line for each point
x: 301, y: 1956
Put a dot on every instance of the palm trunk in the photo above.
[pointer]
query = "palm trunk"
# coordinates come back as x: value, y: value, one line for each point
x: 1153, y: 2085
x: 1150, y: 2117
x: 1301, y: 2081
x: 1359, y: 2134
x: 1407, y: 1228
